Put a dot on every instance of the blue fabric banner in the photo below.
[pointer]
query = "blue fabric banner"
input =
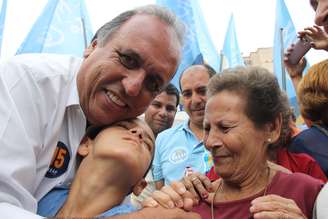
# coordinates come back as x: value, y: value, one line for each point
x: 198, y: 45
x: 285, y: 24
x: 59, y: 29
x: 231, y: 56
x: 2, y: 21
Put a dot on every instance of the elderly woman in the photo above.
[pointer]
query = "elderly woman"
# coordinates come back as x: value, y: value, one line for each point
x: 242, y: 118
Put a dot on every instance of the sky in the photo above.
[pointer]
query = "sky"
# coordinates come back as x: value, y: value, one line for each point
x: 254, y: 20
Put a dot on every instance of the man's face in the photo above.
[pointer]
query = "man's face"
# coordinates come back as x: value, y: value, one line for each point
x: 193, y: 88
x: 321, y: 12
x: 120, y: 79
x: 161, y: 112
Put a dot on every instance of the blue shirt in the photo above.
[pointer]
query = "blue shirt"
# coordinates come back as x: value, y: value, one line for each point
x: 178, y: 150
x: 51, y: 203
x: 314, y: 142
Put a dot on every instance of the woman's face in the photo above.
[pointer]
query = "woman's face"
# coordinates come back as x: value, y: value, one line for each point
x: 129, y: 143
x: 237, y: 147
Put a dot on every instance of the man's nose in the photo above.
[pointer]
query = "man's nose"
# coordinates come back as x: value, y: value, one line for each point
x: 162, y: 112
x: 133, y: 82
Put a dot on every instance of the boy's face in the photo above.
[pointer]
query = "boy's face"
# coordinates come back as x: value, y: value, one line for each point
x: 128, y: 143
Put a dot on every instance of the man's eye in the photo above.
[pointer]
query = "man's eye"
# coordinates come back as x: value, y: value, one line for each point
x: 170, y: 109
x: 128, y: 61
x: 202, y: 91
x: 186, y: 94
x: 152, y: 84
x: 156, y: 105
x: 207, y: 128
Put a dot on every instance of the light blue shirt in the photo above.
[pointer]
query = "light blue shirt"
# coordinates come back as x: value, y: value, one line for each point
x: 52, y: 202
x: 178, y: 149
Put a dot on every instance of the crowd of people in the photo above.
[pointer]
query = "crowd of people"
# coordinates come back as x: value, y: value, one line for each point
x: 71, y: 145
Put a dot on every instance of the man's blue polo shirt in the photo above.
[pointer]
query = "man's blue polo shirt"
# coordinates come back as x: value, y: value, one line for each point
x: 177, y: 150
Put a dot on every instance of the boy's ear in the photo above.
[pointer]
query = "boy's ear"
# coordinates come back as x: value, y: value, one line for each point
x: 85, y: 147
x: 89, y: 49
x: 137, y: 189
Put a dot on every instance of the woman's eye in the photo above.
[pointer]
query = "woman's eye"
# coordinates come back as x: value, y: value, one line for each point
x: 225, y: 129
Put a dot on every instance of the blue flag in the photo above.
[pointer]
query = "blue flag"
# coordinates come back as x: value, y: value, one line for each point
x: 289, y: 35
x: 63, y: 28
x: 2, y: 20
x: 198, y: 45
x: 230, y: 54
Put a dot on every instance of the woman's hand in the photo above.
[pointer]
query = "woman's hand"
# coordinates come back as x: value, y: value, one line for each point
x: 198, y: 184
x: 183, y: 194
x: 175, y: 195
x: 275, y: 207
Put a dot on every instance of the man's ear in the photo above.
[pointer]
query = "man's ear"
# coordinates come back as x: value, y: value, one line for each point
x: 85, y: 146
x: 89, y: 49
x: 137, y: 189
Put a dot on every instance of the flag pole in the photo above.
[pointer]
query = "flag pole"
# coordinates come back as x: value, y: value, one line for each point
x: 283, y: 72
x: 221, y: 61
x: 2, y: 21
x: 84, y: 33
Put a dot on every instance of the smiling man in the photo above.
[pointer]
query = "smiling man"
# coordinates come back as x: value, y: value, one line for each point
x: 46, y: 101
x: 180, y: 149
x: 161, y: 112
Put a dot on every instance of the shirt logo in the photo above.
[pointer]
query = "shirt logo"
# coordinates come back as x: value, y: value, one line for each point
x: 178, y: 155
x: 59, y: 162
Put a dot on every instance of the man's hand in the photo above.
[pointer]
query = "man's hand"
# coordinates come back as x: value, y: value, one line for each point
x: 159, y: 213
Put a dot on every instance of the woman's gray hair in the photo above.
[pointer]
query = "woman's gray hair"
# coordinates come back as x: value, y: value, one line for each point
x: 110, y: 28
x: 257, y: 86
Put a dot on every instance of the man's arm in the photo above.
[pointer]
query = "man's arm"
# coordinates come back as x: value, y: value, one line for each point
x: 19, y: 138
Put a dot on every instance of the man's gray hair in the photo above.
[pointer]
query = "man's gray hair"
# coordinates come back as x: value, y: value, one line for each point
x: 110, y: 28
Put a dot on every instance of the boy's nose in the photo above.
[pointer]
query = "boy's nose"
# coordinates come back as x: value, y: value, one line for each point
x: 137, y: 132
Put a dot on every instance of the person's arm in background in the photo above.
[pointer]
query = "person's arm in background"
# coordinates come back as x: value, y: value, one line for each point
x: 319, y: 41
x: 295, y: 72
x: 20, y: 135
x: 318, y: 37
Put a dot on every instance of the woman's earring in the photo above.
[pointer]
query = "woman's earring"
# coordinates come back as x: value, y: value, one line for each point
x: 269, y: 140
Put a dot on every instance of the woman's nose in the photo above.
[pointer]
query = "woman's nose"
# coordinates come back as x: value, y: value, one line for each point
x: 212, y: 140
